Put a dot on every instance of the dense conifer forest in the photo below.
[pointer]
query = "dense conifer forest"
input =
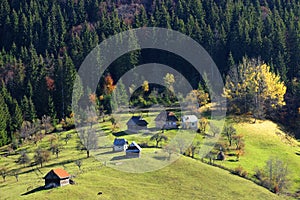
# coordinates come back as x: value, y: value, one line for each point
x: 43, y: 43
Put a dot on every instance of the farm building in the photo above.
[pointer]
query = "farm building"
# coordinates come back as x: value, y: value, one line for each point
x: 57, y: 177
x: 133, y: 151
x: 166, y: 120
x: 120, y: 144
x: 189, y: 122
x: 136, y: 123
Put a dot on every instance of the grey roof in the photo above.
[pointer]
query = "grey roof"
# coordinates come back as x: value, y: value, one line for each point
x: 137, y: 120
x: 166, y: 116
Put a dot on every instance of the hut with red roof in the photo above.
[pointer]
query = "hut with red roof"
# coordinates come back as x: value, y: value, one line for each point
x: 56, y: 177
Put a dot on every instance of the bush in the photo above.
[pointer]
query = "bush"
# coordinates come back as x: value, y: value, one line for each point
x: 273, y: 176
x: 68, y: 124
x: 240, y: 171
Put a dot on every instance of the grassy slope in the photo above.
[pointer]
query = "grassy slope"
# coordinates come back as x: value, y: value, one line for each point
x: 262, y: 143
x: 184, y: 179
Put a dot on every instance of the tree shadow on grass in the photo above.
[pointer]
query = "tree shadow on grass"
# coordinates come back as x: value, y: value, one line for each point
x: 161, y: 157
x: 108, y: 152
x: 61, y: 163
x: 36, y: 169
x: 119, y: 158
x: 105, y: 129
x: 34, y: 190
x: 147, y: 133
x: 232, y: 160
x: 122, y: 133
x: 297, y: 153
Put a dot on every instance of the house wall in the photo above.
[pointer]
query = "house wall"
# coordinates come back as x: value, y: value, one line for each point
x: 135, y: 127
x: 133, y: 155
x: 52, y: 183
x: 166, y: 125
x: 189, y: 125
x: 64, y: 182
x: 120, y: 148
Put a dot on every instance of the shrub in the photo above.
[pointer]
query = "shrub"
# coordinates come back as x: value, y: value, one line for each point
x: 240, y: 171
x: 273, y: 176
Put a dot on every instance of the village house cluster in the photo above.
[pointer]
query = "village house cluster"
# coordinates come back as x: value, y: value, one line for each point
x: 165, y: 120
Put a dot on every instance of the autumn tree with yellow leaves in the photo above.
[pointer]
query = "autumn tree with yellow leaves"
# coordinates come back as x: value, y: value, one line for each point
x: 251, y: 87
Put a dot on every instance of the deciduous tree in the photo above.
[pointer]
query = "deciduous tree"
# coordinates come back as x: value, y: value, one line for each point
x: 158, y: 138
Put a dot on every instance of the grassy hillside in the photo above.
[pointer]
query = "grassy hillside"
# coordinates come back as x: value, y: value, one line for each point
x: 184, y: 179
x: 265, y: 140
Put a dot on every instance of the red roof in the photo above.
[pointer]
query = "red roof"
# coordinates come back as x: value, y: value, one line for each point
x: 61, y: 173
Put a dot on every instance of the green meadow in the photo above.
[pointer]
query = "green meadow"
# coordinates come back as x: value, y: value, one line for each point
x: 184, y: 178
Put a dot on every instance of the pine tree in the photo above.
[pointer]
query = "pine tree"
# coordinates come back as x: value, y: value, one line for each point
x: 4, y: 121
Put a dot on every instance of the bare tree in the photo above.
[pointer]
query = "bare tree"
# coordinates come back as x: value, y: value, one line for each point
x: 78, y: 163
x: 238, y: 140
x: 229, y: 131
x: 193, y: 148
x: 3, y: 172
x: 56, y: 149
x: 41, y: 156
x: 274, y: 175
x: 214, y: 129
x: 16, y: 173
x: 170, y: 149
x: 89, y: 140
x: 27, y: 130
x: 67, y: 138
x: 182, y: 144
x: 52, y: 139
x: 23, y: 159
x: 46, y: 123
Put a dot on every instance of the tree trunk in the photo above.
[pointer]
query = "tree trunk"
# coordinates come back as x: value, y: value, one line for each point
x: 88, y: 153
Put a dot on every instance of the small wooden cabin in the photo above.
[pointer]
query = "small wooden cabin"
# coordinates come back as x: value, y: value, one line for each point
x: 136, y: 123
x: 133, y: 151
x: 56, y: 177
x: 166, y: 120
x: 120, y: 144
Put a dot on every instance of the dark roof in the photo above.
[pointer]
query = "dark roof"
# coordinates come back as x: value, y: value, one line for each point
x: 166, y: 116
x: 134, y: 147
x: 120, y: 142
x: 60, y: 173
x: 137, y: 120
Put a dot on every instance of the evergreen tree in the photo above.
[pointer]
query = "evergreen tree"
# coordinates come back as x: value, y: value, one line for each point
x: 4, y: 122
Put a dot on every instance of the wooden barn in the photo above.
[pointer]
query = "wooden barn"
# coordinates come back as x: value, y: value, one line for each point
x: 57, y: 177
x: 120, y: 144
x: 166, y: 120
x: 133, y: 151
x: 136, y: 123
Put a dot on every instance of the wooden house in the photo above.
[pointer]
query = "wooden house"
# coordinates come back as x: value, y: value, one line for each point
x: 120, y: 144
x: 133, y: 151
x: 166, y: 120
x: 136, y: 123
x: 189, y: 122
x: 56, y: 177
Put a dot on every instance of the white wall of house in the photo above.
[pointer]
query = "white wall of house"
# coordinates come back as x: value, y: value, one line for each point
x: 120, y: 148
